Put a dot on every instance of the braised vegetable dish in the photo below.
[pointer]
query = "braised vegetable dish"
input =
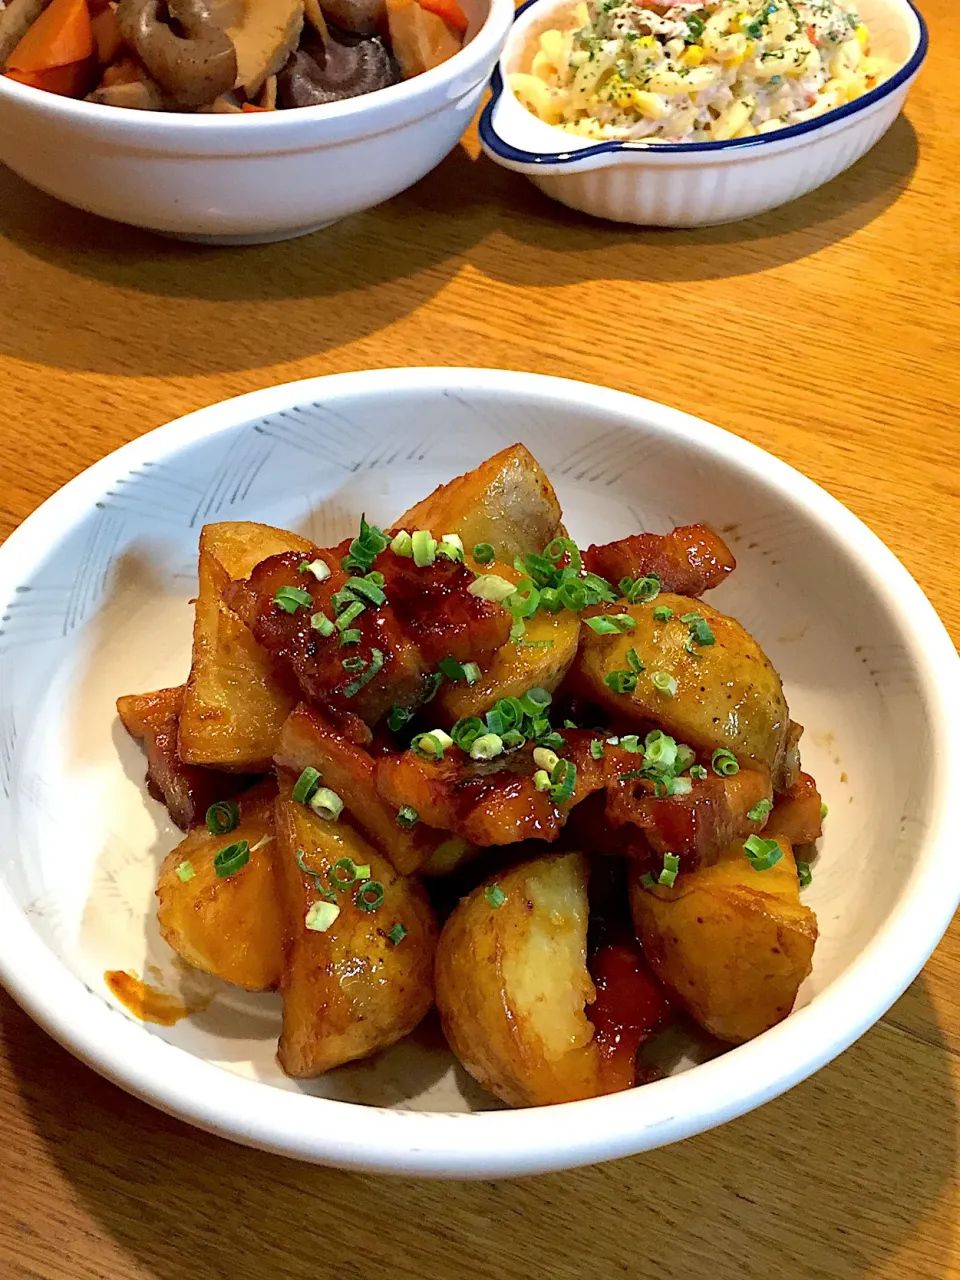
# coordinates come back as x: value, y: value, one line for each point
x: 230, y: 56
x: 463, y: 762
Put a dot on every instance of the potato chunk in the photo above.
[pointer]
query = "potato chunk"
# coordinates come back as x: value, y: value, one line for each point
x: 728, y: 694
x: 506, y: 501
x: 357, y: 987
x: 228, y: 927
x: 732, y: 944
x: 512, y: 984
x: 236, y: 697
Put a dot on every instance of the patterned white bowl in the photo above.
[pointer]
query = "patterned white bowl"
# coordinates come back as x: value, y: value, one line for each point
x: 697, y: 184
x: 95, y: 590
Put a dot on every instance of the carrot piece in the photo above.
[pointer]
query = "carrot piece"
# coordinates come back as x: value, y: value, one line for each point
x: 449, y: 11
x: 60, y: 37
x: 75, y: 80
x: 106, y: 35
x: 250, y: 106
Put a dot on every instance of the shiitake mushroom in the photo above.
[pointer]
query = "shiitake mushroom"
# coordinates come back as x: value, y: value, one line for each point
x: 344, y: 65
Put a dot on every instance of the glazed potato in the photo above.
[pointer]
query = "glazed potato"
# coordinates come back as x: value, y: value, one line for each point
x: 228, y: 927
x: 515, y: 668
x: 506, y: 501
x: 351, y: 990
x: 512, y: 984
x: 728, y: 694
x: 236, y: 699
x: 732, y: 944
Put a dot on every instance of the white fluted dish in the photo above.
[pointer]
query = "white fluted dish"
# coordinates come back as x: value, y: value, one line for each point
x: 697, y: 184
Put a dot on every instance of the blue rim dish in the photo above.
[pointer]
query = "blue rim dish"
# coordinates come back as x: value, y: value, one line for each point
x: 492, y: 140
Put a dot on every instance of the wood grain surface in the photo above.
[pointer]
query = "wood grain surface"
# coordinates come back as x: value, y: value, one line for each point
x: 825, y: 332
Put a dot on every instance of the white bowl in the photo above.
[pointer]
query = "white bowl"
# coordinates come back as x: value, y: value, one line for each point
x: 701, y: 183
x: 229, y: 179
x: 97, y: 585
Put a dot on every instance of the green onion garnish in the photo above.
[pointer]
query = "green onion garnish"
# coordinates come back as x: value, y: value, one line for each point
x: 541, y: 780
x: 424, y: 549
x: 647, y: 880
x: 621, y: 681
x: 512, y: 739
x: 660, y: 751
x: 351, y: 636
x: 396, y: 934
x: 824, y: 810
x: 679, y: 787
x: 664, y: 683
x: 494, y: 895
x: 671, y: 865
x: 573, y: 595
x: 630, y: 742
x: 363, y: 872
x: 698, y: 771
x: 563, y: 779
x: 633, y: 661
x: 561, y: 547
x: 663, y: 613
x: 610, y: 624
x: 376, y: 662
x: 544, y: 758
x: 402, y: 544
x: 484, y: 553
x: 490, y: 586
x: 762, y: 854
x: 365, y: 548
x: 290, y: 599
x: 454, y: 670
x: 320, y: 622
x: 550, y: 600
x: 398, y: 717
x: 486, y: 747
x: 534, y: 702
x: 596, y: 748
x: 804, y: 873
x: 431, y: 684
x: 368, y: 589
x: 186, y: 870
x: 450, y: 546
x: 231, y: 859
x: 534, y: 644
x: 466, y: 731
x: 724, y: 762
x: 326, y: 804
x: 407, y: 816
x: 760, y: 810
x: 700, y: 632
x: 641, y: 591
x: 223, y: 817
x: 306, y: 785
x: 352, y: 665
x: 370, y: 896
x: 319, y: 568
x: 598, y: 589
x: 343, y: 873
x: 320, y: 916
x: 353, y: 610
x: 432, y: 745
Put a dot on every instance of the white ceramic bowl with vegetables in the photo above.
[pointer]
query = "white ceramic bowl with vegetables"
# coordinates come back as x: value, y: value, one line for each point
x: 677, y: 114
x: 243, y: 120
x: 97, y: 588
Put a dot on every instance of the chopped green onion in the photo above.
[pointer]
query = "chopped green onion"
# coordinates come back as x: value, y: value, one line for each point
x: 550, y: 600
x: 320, y: 916
x: 343, y: 873
x: 326, y: 804
x: 647, y: 880
x: 318, y: 884
x: 561, y: 547
x: 664, y: 683
x: 186, y: 870
x: 376, y: 662
x: 365, y: 548
x: 541, y: 780
x: 700, y: 632
x: 598, y: 589
x: 724, y: 763
x: 695, y: 28
x: 610, y: 624
x: 634, y: 662
x: 545, y: 758
x: 453, y: 670
x: 660, y: 750
x: 466, y: 731
x: 630, y: 742
x: 679, y: 787
x: 805, y: 874
x: 402, y: 544
x: 824, y: 810
x: 596, y: 748
x: 762, y: 854
x: 431, y: 683
x: 524, y: 601
x: 563, y: 779
x: 353, y: 610
x: 351, y: 636
x: 306, y: 785
x: 320, y: 622
x: 370, y: 591
x: 662, y: 613
x: 431, y: 745
x: 363, y: 872
x: 370, y: 896
x: 231, y: 859
x: 484, y: 553
x: 398, y: 717
x: 319, y: 568
x: 685, y: 757
x: 352, y: 665
x: 396, y: 934
x: 641, y: 591
x: 760, y: 810
x: 494, y: 895
x: 573, y: 595
x: 486, y: 747
x: 223, y: 817
x: 407, y: 816
x: 698, y: 771
x: 534, y: 644
x: 552, y: 741
x: 671, y: 865
x: 424, y: 549
x: 290, y: 599
x: 518, y: 631
x: 489, y: 586
x: 621, y: 681
x: 450, y: 547
x: 534, y: 702
x: 512, y: 739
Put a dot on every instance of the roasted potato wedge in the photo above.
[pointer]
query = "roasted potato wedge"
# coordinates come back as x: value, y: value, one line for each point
x: 153, y: 718
x: 732, y: 944
x: 307, y: 740
x: 236, y: 697
x: 350, y: 990
x: 728, y: 693
x: 228, y: 927
x: 506, y: 501
x: 512, y: 984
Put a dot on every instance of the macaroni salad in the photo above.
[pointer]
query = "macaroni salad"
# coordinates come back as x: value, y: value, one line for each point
x: 697, y: 71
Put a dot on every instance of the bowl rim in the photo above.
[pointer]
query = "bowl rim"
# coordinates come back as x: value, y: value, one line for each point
x: 262, y: 127
x: 497, y: 146
x: 492, y: 1143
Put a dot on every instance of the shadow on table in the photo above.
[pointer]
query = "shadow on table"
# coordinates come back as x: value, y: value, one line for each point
x: 829, y: 1181
x: 284, y: 301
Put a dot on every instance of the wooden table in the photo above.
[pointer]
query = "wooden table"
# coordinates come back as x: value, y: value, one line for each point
x: 826, y: 332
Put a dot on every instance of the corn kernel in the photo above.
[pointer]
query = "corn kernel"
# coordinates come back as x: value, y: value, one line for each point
x: 647, y: 42
x: 742, y: 57
x: 692, y: 56
x: 863, y: 35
